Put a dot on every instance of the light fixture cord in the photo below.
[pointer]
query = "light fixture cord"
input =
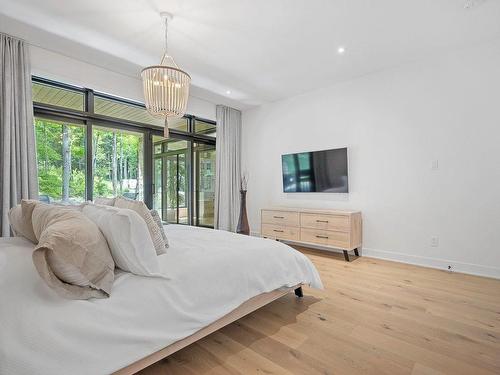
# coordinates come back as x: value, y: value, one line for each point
x: 166, y: 35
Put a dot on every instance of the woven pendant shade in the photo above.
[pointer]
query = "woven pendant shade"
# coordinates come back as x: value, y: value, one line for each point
x: 166, y: 89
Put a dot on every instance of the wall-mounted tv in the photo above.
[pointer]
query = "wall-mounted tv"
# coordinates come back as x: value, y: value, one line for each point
x: 315, y: 172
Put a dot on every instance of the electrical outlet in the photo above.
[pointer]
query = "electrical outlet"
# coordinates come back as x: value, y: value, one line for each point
x: 435, y: 165
x: 435, y: 241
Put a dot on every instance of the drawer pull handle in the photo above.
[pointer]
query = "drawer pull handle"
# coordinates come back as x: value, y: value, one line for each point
x: 322, y: 221
x: 276, y: 230
x: 279, y: 217
x: 325, y: 237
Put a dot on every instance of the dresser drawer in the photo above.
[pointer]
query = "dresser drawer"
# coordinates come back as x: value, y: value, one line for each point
x: 280, y: 232
x: 288, y: 218
x: 325, y: 237
x: 327, y: 222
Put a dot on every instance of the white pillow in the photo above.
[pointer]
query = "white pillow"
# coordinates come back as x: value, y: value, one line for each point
x: 128, y: 238
x: 105, y: 201
x: 143, y: 211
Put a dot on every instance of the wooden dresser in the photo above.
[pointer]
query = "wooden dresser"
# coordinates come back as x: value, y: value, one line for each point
x: 335, y: 229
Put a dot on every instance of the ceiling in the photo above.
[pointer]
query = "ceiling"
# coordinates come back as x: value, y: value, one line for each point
x: 258, y: 50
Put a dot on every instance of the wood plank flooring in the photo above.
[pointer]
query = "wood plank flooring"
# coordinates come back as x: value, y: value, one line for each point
x: 374, y: 317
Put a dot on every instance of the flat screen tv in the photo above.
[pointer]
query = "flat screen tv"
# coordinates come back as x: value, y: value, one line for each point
x: 315, y: 172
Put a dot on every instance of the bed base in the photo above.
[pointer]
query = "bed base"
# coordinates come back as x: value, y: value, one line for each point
x: 245, y: 308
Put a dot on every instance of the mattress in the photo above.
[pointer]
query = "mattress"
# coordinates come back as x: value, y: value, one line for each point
x: 210, y: 273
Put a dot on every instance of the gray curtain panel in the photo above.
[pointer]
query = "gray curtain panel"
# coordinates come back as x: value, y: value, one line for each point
x: 228, y: 168
x: 18, y: 169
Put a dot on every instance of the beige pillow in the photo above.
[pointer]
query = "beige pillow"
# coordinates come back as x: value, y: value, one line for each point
x: 16, y: 221
x: 143, y: 211
x: 72, y: 255
x: 69, y: 206
x: 20, y: 219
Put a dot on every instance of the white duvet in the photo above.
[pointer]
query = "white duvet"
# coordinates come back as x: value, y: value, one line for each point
x: 210, y: 273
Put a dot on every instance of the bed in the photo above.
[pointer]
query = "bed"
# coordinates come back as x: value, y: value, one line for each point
x: 212, y: 278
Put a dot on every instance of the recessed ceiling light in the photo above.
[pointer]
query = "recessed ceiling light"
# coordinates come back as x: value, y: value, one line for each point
x: 341, y: 50
x: 228, y: 92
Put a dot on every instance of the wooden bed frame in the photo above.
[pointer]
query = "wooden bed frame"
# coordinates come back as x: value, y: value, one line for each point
x: 245, y: 308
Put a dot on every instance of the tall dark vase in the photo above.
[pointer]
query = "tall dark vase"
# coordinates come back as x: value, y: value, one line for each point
x: 243, y: 227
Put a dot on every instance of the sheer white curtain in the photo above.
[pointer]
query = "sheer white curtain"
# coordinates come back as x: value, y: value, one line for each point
x: 228, y: 168
x: 18, y: 170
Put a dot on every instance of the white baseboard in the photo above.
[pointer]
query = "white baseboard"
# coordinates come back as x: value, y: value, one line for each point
x: 441, y: 264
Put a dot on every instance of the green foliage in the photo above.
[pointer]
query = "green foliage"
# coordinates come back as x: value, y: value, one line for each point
x: 101, y: 187
x: 128, y: 147
x: 77, y: 183
x: 49, y: 153
x: 50, y: 181
x: 49, y: 145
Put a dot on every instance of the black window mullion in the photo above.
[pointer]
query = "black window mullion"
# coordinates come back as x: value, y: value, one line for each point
x: 89, y: 172
x: 197, y: 185
x: 148, y: 169
x: 89, y: 175
x: 177, y: 187
x: 189, y: 170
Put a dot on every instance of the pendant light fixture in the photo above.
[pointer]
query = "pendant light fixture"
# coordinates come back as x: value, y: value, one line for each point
x: 166, y: 87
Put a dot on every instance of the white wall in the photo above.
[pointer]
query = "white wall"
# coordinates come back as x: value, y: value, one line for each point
x: 395, y: 124
x: 52, y: 65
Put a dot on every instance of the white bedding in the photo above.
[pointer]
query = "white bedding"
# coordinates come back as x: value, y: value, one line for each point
x: 210, y: 274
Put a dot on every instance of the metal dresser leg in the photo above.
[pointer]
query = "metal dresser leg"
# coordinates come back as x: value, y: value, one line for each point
x: 298, y: 292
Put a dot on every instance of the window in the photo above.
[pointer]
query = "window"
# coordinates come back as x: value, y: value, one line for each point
x: 118, y: 163
x: 124, y: 110
x: 61, y: 155
x: 133, y: 112
x: 91, y: 145
x: 57, y: 96
x: 204, y: 127
x: 181, y: 124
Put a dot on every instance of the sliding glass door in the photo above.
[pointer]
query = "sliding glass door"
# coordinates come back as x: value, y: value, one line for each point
x: 178, y: 166
x: 204, y: 175
x: 176, y: 192
x: 171, y: 190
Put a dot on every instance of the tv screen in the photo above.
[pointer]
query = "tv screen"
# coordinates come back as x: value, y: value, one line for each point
x: 315, y: 172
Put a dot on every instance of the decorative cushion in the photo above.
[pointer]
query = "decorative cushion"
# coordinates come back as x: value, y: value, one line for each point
x: 69, y: 206
x: 105, y: 201
x: 16, y: 221
x: 158, y: 222
x: 20, y: 219
x: 143, y: 211
x: 67, y: 272
x: 128, y: 238
x: 72, y: 255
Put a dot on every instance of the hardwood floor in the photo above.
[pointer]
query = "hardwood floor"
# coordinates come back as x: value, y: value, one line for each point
x: 374, y: 317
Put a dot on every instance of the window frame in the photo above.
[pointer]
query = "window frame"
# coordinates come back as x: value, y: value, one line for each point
x: 89, y: 119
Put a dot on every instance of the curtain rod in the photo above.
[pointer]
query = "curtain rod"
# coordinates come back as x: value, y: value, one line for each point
x: 15, y: 37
